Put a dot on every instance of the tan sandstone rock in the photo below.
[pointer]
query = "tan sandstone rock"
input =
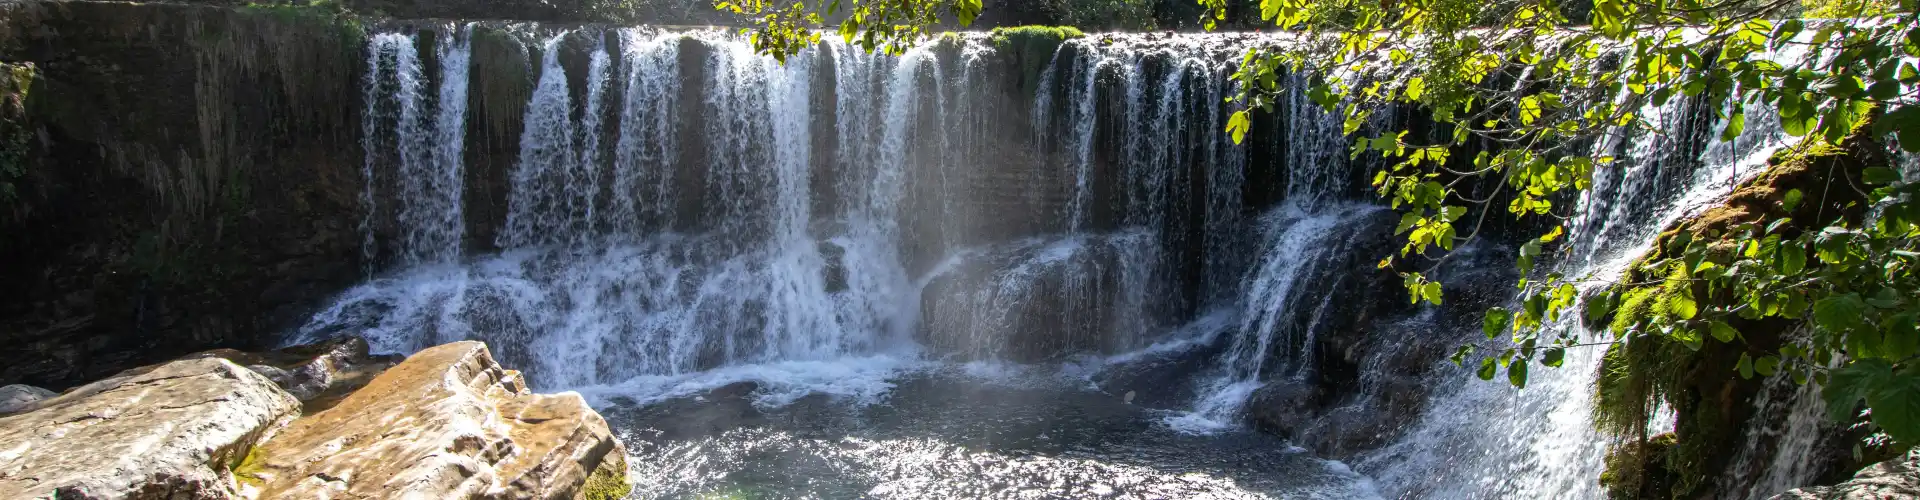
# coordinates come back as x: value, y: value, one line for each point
x: 448, y: 422
x: 170, y: 431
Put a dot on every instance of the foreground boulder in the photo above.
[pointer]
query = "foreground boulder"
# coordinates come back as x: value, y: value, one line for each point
x: 1892, y: 479
x: 448, y: 422
x: 162, y: 432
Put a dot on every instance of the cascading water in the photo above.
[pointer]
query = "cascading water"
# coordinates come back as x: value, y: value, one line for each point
x: 683, y: 214
x: 427, y: 139
x: 1302, y: 246
x: 1486, y: 440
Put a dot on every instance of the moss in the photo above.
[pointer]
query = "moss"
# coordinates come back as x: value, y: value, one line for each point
x: 606, y: 483
x: 1028, y: 49
x: 1638, y: 469
x: 251, y: 468
x: 16, y: 133
x: 1049, y: 37
x: 1646, y: 370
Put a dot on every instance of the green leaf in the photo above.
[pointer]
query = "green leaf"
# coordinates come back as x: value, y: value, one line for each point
x: 1237, y: 126
x: 1791, y: 200
x: 1602, y: 306
x: 1496, y: 322
x: 1902, y: 338
x: 1517, y: 373
x: 1689, y: 338
x: 1431, y: 292
x: 1793, y: 259
x: 1895, y: 401
x: 1880, y: 176
x: 1459, y: 357
x: 1553, y: 357
x: 1682, y: 306
x: 1905, y: 124
x: 1723, y: 332
x: 1839, y: 313
x: 1735, y: 124
x: 1487, y: 368
x: 1848, y: 385
x: 1766, y: 366
x: 1745, y: 366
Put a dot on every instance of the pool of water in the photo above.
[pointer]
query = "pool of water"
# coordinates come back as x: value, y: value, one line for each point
x: 950, y: 432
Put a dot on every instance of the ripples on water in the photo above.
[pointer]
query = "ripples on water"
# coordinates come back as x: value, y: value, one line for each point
x: 955, y: 432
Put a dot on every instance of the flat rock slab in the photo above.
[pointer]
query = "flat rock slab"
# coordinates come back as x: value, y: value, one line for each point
x: 448, y: 422
x: 171, y: 431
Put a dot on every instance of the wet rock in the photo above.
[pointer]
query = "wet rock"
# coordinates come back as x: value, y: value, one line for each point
x: 170, y: 431
x: 317, y: 374
x: 1283, y: 409
x: 835, y: 272
x: 718, y: 411
x: 19, y: 398
x: 1897, y: 478
x: 448, y: 422
x: 736, y: 390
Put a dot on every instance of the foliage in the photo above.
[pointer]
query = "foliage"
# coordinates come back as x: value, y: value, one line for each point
x: 1110, y: 14
x: 1025, y: 35
x: 15, y: 132
x: 785, y: 27
x: 1529, y: 82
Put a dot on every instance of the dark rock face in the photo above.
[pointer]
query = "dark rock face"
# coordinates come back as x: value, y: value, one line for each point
x: 1371, y: 362
x: 193, y: 173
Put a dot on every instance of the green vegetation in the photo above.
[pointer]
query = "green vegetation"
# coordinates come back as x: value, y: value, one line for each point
x: 1136, y: 15
x: 606, y: 483
x: 248, y: 470
x: 1566, y: 75
x: 328, y: 14
x: 1030, y: 48
x: 15, y: 132
x: 783, y: 27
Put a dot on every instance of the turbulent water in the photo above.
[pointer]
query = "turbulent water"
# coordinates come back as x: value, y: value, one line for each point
x: 857, y: 275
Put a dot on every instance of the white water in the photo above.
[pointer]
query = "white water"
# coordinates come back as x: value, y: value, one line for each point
x: 1303, y: 243
x: 424, y: 139
x: 642, y: 259
x: 1488, y: 440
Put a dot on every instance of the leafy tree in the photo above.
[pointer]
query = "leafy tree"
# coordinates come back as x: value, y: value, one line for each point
x: 1528, y: 84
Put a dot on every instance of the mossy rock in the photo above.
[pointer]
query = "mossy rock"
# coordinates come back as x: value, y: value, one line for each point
x: 1028, y: 49
x: 1646, y: 371
x: 250, y: 468
x: 608, y: 482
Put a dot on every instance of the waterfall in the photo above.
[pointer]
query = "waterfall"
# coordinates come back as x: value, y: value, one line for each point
x: 680, y: 212
x: 549, y: 201
x: 438, y: 202
x: 644, y: 154
x: 1488, y: 440
x: 1302, y: 246
x: 1772, y: 459
x: 427, y: 145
